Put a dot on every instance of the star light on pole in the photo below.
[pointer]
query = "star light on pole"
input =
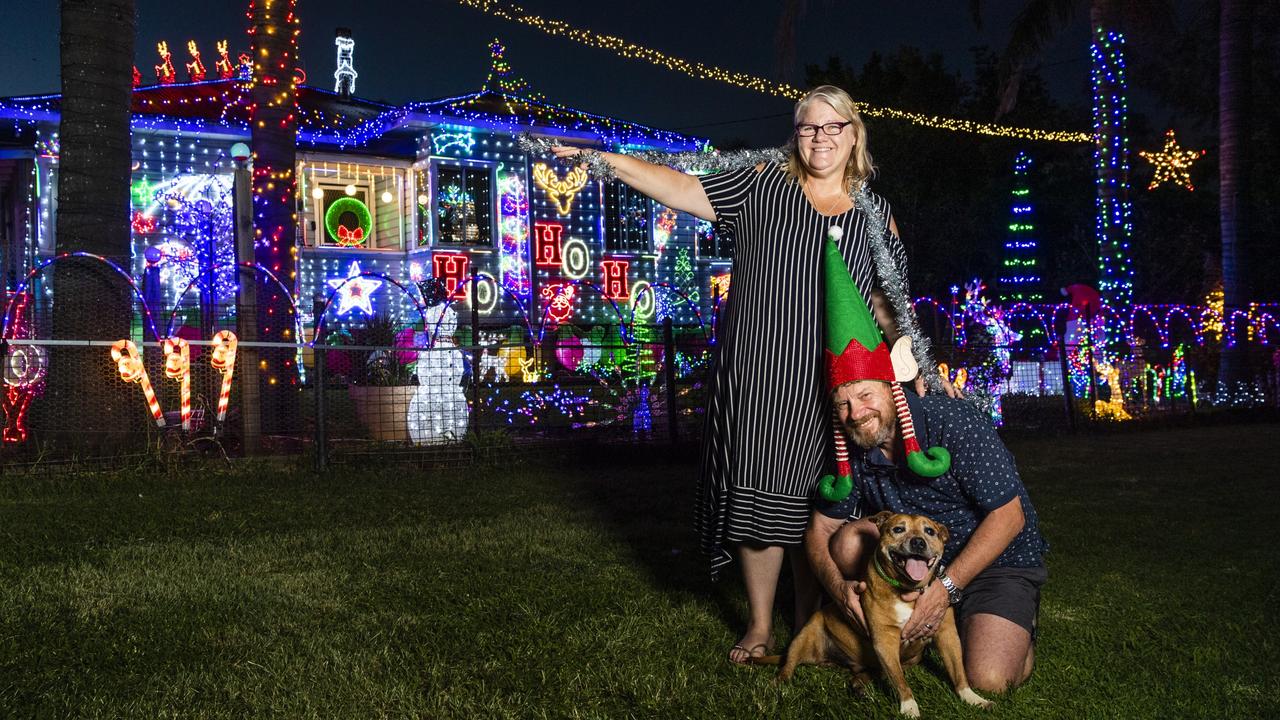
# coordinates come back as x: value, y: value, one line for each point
x: 354, y: 291
x: 1173, y: 164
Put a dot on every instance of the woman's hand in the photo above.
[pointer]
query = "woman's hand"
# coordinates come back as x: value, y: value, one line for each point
x: 566, y: 151
x: 951, y: 390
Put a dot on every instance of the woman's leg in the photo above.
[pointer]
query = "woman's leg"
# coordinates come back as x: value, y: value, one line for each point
x: 807, y: 588
x: 761, y: 566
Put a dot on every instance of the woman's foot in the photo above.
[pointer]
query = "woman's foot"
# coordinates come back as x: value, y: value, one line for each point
x: 750, y: 646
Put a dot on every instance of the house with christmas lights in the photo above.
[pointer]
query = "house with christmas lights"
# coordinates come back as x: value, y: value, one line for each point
x: 386, y: 196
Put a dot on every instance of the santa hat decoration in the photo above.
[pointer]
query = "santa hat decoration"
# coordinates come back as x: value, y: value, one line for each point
x: 855, y: 350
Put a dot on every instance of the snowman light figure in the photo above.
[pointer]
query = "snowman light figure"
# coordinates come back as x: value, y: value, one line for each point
x: 438, y: 411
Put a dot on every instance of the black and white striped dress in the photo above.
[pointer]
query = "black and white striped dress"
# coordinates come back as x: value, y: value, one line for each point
x: 768, y: 429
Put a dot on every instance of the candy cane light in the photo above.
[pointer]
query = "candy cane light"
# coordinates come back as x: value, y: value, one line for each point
x: 223, y: 359
x: 129, y: 364
x: 177, y: 366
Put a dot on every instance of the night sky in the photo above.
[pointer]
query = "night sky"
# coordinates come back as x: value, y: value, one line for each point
x: 439, y: 48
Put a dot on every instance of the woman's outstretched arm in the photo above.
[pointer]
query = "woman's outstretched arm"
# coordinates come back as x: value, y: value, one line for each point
x: 672, y: 188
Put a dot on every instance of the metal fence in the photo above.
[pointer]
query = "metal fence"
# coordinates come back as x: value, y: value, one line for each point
x: 434, y: 399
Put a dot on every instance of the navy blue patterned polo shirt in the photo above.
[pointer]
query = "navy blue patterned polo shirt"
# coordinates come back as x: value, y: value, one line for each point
x: 982, y: 478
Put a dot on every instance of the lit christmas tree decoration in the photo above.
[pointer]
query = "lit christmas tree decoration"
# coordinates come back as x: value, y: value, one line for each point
x: 1019, y: 279
x: 1172, y: 164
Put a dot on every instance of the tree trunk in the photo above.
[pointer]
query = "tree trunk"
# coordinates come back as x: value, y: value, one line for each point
x: 1234, y: 40
x: 1111, y: 163
x: 273, y: 33
x: 91, y: 301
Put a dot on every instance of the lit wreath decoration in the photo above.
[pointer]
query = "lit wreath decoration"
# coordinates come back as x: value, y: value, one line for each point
x: 340, y: 233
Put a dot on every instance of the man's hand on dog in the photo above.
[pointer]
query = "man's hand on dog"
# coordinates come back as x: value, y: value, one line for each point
x: 850, y: 599
x: 851, y: 602
x: 927, y: 617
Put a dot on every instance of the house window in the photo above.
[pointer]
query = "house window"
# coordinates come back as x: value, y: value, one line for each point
x: 627, y: 219
x: 464, y: 204
x: 345, y: 219
x: 714, y: 241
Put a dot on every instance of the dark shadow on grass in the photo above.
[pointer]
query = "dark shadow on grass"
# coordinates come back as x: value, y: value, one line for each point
x: 643, y: 497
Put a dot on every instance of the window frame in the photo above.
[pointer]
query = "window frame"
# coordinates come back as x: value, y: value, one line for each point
x: 321, y: 238
x: 717, y: 256
x: 615, y: 189
x: 466, y: 165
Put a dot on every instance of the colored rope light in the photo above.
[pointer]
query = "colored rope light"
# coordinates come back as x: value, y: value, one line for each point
x: 622, y: 48
x: 164, y: 71
x: 177, y: 366
x: 614, y: 273
x: 560, y: 190
x: 129, y: 364
x: 226, y: 69
x: 223, y: 359
x: 195, y: 68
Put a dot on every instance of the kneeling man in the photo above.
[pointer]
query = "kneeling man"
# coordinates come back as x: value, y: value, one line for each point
x: 966, y: 479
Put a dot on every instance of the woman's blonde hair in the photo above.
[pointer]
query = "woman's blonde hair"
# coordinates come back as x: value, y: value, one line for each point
x: 859, y: 169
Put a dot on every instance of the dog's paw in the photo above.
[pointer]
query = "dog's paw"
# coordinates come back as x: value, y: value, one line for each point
x: 972, y: 698
x: 909, y: 708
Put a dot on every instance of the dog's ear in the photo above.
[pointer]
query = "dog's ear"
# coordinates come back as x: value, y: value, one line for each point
x: 880, y: 518
x: 943, y: 532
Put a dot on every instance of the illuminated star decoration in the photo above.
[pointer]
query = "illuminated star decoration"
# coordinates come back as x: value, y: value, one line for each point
x: 357, y: 293
x: 1173, y: 164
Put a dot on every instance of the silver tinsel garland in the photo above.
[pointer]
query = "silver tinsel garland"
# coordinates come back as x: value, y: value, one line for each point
x: 894, y: 285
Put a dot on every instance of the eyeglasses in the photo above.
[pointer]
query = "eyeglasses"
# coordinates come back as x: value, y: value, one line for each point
x: 808, y: 130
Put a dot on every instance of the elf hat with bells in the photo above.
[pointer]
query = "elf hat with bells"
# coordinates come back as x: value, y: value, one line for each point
x: 855, y: 351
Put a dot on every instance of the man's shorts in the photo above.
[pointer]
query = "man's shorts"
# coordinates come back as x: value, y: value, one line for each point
x: 1011, y: 593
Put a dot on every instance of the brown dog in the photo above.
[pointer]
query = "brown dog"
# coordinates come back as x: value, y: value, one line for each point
x: 905, y: 561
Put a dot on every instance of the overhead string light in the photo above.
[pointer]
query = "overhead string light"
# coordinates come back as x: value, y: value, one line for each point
x: 622, y: 48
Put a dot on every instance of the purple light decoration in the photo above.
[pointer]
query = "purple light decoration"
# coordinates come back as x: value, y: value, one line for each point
x: 513, y: 224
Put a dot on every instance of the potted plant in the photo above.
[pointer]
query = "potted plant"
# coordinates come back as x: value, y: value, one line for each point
x: 381, y: 380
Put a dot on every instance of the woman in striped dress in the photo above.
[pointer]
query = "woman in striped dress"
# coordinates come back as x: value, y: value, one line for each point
x: 767, y: 433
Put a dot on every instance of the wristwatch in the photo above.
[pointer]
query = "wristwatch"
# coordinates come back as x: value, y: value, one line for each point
x: 954, y: 594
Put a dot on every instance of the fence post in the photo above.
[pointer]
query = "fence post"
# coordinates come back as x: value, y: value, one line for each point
x: 1092, y: 367
x: 1067, y: 400
x: 475, y: 343
x: 318, y: 382
x: 4, y: 362
x: 669, y: 369
x: 1189, y: 387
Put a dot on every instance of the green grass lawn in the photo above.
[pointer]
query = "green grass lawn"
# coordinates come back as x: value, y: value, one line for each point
x: 573, y: 589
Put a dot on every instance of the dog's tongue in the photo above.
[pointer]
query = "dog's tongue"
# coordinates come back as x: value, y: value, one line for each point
x: 917, y: 569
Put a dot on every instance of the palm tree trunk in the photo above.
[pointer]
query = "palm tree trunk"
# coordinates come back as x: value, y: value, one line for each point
x: 90, y: 301
x: 274, y: 143
x: 1233, y: 131
x: 1111, y: 163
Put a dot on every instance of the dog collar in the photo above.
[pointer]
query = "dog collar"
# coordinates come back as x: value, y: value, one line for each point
x: 875, y: 560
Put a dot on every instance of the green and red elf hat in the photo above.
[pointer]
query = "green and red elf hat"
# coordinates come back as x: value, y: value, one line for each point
x: 856, y: 350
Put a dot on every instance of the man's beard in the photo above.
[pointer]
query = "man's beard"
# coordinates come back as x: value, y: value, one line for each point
x: 865, y: 440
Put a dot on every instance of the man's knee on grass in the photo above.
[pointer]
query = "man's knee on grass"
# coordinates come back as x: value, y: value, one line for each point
x: 998, y: 653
